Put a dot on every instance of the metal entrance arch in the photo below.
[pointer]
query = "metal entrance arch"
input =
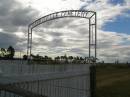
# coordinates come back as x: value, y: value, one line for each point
x: 90, y: 15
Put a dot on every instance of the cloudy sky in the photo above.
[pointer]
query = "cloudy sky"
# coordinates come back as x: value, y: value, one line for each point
x: 68, y: 35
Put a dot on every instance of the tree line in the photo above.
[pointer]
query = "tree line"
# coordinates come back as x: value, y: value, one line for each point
x: 8, y: 54
x: 61, y: 59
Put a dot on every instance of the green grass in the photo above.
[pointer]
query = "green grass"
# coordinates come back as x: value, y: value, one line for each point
x: 113, y: 81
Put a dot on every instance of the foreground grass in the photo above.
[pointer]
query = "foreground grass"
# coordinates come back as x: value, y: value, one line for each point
x: 113, y: 81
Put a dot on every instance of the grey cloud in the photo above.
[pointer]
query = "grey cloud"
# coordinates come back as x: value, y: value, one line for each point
x: 7, y: 39
x: 14, y: 15
x: 111, y: 55
x: 56, y: 34
x: 14, y: 18
x: 86, y: 3
x: 42, y: 32
x: 51, y: 44
x: 22, y: 17
x: 5, y: 7
x: 79, y: 51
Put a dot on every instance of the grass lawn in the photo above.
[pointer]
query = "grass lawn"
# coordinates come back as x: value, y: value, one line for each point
x: 113, y: 81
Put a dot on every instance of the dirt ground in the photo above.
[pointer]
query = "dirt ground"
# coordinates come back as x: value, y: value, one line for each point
x: 113, y: 81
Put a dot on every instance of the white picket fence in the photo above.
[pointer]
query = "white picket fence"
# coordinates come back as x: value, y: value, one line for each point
x: 68, y: 80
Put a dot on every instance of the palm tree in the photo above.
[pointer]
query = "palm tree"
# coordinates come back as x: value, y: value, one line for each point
x: 25, y: 57
x: 70, y: 58
x: 86, y: 59
x: 65, y: 58
x: 81, y: 59
x: 57, y: 59
x: 61, y: 58
x: 46, y: 59
x: 74, y: 59
x: 11, y: 52
x: 3, y: 52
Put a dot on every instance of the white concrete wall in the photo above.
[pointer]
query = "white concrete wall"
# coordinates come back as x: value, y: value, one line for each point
x: 17, y: 67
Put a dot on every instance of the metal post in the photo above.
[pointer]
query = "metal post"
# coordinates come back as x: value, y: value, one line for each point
x: 95, y: 36
x: 93, y: 81
x: 28, y: 44
x: 89, y: 38
x: 31, y: 44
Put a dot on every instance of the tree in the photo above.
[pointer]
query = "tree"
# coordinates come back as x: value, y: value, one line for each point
x: 57, y: 59
x: 3, y: 52
x: 86, y: 59
x: 70, y: 59
x: 81, y: 59
x: 11, y: 52
x: 65, y: 58
x: 25, y: 57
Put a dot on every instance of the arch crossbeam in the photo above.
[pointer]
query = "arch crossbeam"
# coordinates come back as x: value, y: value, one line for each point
x: 62, y: 14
